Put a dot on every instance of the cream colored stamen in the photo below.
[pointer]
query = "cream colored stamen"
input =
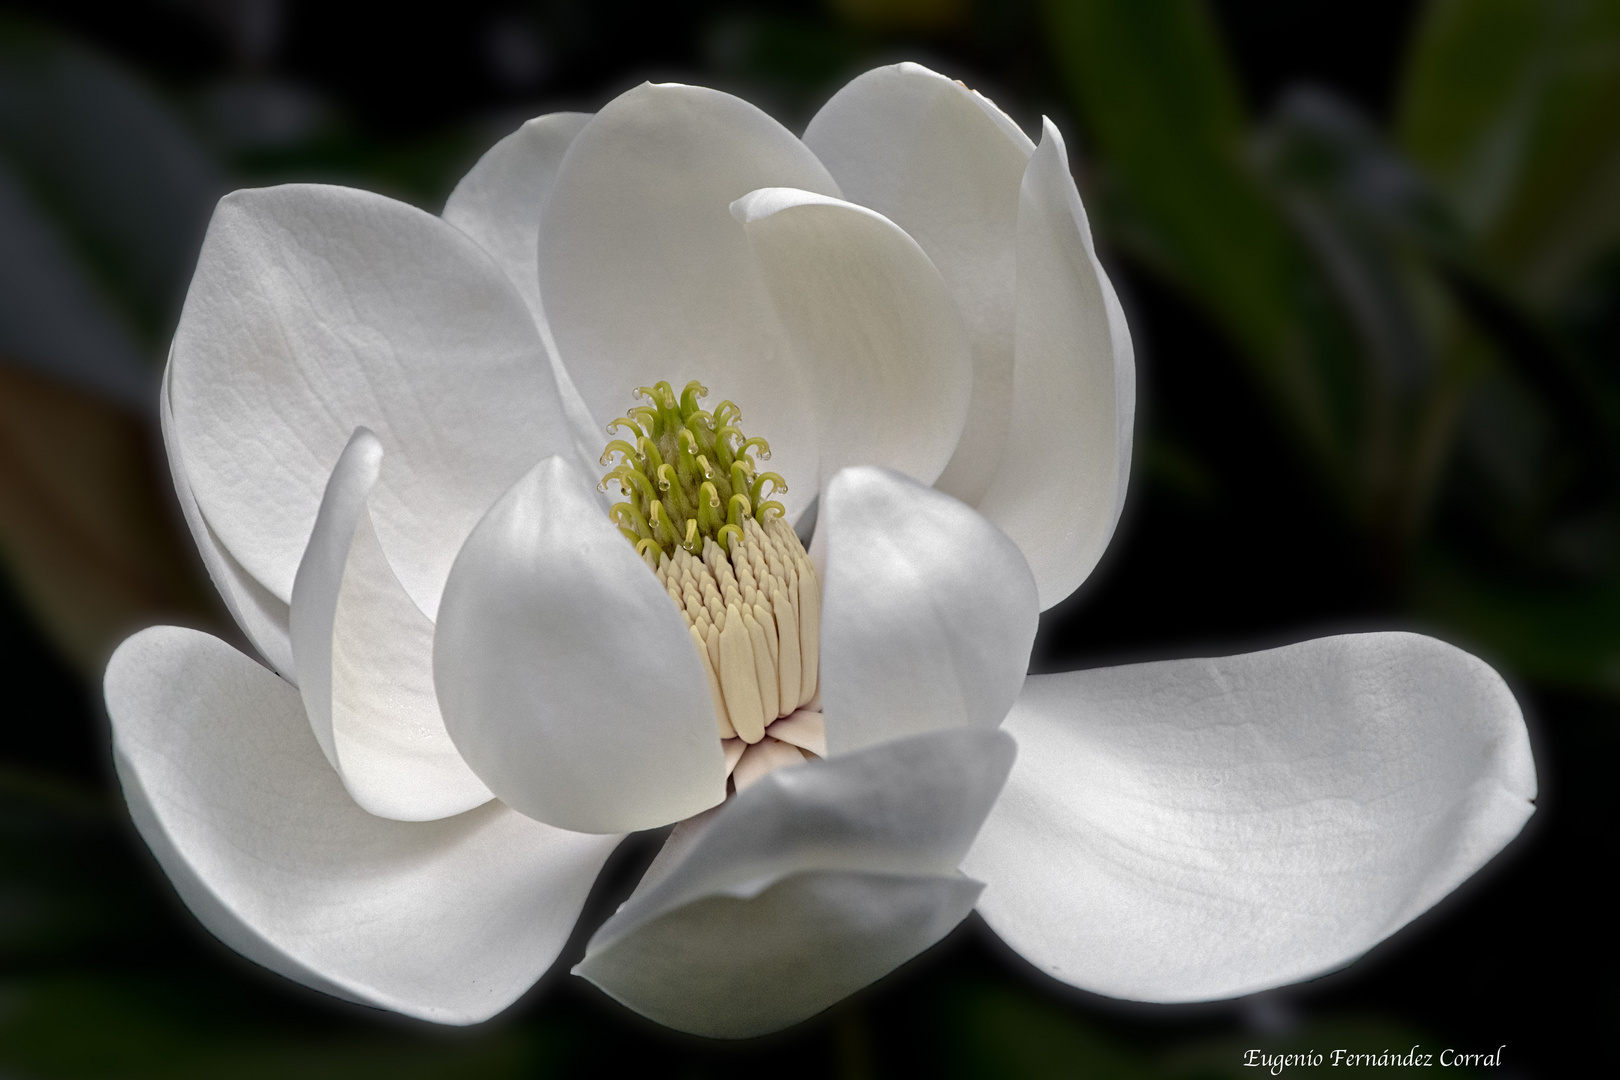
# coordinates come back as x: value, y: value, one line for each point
x: 754, y: 615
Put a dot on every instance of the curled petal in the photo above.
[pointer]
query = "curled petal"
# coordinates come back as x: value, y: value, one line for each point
x: 1060, y: 485
x: 366, y: 652
x: 567, y: 679
x: 447, y: 920
x: 928, y: 612
x: 1202, y: 829
x: 817, y: 880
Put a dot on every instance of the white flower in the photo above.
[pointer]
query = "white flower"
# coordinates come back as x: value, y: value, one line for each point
x: 382, y: 427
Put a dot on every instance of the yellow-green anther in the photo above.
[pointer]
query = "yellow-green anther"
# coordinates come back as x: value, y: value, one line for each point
x: 756, y: 441
x: 693, y: 542
x: 689, y: 397
x: 626, y: 422
x: 643, y: 547
x: 767, y: 510
x: 723, y: 455
x: 756, y: 491
x: 720, y: 537
x: 727, y: 413
x: 738, y: 510
x: 633, y: 482
x: 630, y: 535
x: 619, y: 446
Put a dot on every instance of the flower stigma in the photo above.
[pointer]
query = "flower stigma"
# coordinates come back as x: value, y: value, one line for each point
x: 698, y: 511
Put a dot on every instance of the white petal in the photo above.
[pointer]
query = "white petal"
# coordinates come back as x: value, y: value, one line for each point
x: 944, y: 164
x: 315, y: 310
x: 566, y: 677
x: 261, y: 615
x: 366, y: 652
x: 499, y: 204
x: 646, y: 276
x: 872, y: 326
x: 1061, y: 482
x: 928, y: 612
x: 448, y: 920
x: 811, y: 884
x: 1207, y: 828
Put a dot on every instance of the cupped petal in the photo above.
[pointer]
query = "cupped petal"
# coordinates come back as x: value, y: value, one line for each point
x: 645, y: 276
x: 366, y: 652
x: 567, y: 679
x: 872, y: 326
x: 944, y: 164
x: 814, y: 882
x: 1201, y: 829
x: 928, y: 612
x: 317, y: 309
x: 448, y: 921
x: 262, y: 616
x: 499, y: 203
x: 1060, y: 484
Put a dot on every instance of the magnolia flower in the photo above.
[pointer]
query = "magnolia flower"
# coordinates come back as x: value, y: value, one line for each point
x: 385, y: 429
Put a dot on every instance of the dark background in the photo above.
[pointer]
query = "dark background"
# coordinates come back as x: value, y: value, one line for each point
x: 1240, y: 531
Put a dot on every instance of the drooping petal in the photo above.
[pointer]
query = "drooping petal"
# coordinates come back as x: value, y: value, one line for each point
x: 646, y: 276
x: 817, y: 880
x: 872, y: 326
x: 315, y: 310
x: 567, y: 679
x: 366, y: 652
x: 448, y: 920
x: 928, y: 612
x: 1207, y: 828
x: 1060, y: 483
x: 261, y: 615
x: 944, y: 164
x: 498, y: 203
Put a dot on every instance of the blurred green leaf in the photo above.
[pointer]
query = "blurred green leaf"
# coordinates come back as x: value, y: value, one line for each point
x: 1513, y: 107
x: 1160, y: 104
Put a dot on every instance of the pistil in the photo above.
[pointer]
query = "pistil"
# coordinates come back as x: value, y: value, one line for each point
x: 698, y: 512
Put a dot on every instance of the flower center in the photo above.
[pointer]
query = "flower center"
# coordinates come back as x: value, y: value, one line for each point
x: 696, y: 511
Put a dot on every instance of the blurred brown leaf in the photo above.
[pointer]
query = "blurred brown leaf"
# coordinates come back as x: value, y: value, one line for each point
x: 83, y: 528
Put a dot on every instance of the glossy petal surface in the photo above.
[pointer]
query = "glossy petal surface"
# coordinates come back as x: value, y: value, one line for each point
x: 366, y: 653
x: 872, y: 326
x: 1201, y: 829
x: 448, y: 921
x: 817, y: 880
x: 928, y: 612
x: 646, y: 276
x: 1061, y: 481
x: 316, y: 310
x: 566, y: 677
x: 945, y: 165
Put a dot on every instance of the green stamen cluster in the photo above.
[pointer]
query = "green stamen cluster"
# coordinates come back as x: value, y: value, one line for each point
x: 688, y: 474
